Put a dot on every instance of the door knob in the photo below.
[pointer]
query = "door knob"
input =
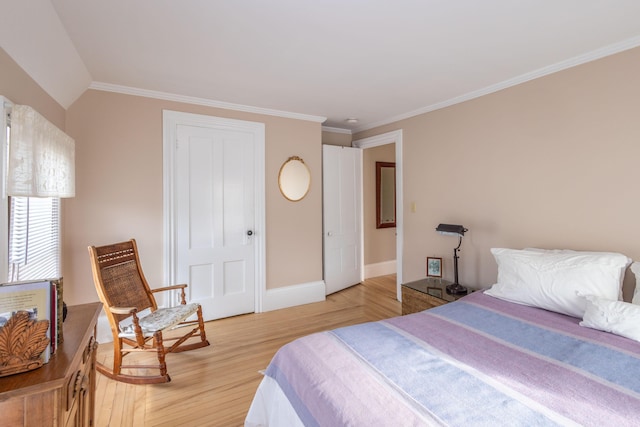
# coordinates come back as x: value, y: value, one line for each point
x: 250, y: 233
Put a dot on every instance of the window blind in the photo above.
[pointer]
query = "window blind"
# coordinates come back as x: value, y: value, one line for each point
x: 34, y: 238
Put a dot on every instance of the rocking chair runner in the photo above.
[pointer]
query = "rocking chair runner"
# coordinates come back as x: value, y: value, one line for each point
x: 125, y: 293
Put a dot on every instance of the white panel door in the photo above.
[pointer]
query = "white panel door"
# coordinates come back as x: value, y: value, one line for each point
x: 342, y: 216
x: 214, y: 218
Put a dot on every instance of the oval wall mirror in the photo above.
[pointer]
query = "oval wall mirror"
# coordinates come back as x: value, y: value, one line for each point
x: 294, y: 179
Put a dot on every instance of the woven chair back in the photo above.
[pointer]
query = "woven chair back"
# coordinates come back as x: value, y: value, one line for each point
x: 121, y: 279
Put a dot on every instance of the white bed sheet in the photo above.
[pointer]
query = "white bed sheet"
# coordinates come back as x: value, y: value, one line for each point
x: 270, y: 407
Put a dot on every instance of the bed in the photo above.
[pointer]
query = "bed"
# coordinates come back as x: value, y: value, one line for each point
x: 481, y: 361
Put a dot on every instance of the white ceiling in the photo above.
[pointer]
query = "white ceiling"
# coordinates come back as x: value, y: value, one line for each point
x: 375, y: 60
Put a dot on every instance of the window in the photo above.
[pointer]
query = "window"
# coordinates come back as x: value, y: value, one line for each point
x: 32, y: 227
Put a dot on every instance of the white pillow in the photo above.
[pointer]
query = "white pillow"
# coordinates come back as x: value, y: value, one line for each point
x: 618, y: 317
x: 570, y: 251
x: 635, y: 267
x: 550, y: 279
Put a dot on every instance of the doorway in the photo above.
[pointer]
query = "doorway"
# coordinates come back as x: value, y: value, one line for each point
x: 395, y: 138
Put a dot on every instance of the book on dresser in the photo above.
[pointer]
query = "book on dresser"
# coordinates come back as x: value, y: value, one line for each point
x: 40, y: 299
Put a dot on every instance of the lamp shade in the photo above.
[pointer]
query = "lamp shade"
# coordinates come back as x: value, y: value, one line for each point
x: 451, y: 229
x: 41, y: 157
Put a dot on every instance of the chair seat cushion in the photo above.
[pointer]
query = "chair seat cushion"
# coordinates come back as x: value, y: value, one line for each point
x: 161, y: 319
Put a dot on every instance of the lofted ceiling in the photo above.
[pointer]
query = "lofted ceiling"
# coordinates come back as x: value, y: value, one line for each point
x: 374, y: 60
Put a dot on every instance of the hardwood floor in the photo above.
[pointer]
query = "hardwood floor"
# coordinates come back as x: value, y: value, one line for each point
x: 214, y: 386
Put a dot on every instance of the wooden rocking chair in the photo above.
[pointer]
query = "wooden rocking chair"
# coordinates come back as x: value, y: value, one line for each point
x: 125, y: 293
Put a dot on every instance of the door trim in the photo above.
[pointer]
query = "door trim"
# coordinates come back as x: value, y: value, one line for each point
x: 170, y: 121
x: 394, y: 137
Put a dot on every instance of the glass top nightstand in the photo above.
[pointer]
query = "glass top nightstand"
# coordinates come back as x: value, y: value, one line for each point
x: 426, y: 293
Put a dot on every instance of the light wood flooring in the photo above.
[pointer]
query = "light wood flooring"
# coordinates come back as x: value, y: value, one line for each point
x: 214, y: 386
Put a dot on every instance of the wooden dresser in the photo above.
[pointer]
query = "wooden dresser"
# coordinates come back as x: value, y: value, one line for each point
x: 62, y: 392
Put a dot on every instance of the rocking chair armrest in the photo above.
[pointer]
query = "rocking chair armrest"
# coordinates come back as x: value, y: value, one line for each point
x: 181, y: 287
x: 169, y: 288
x: 123, y: 310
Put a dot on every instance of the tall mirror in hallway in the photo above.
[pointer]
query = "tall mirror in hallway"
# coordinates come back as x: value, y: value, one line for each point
x: 385, y: 194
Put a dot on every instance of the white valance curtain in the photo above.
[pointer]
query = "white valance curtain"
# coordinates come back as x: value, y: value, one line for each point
x: 41, y: 157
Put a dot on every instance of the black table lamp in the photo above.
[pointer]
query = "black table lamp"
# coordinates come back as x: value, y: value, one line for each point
x: 454, y: 230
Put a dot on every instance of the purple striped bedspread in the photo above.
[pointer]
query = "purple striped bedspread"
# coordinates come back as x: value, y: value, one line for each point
x: 477, y: 362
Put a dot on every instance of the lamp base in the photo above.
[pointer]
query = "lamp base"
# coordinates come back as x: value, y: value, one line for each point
x: 456, y: 289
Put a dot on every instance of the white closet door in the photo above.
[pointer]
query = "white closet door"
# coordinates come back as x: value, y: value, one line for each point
x: 342, y: 216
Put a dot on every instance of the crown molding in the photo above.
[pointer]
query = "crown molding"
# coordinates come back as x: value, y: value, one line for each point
x: 377, y: 140
x: 336, y: 130
x: 127, y: 90
x: 541, y: 72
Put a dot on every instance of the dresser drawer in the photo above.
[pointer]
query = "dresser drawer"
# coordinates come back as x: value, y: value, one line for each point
x: 81, y: 379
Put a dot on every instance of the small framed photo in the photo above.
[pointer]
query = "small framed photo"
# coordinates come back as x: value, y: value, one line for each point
x: 434, y: 267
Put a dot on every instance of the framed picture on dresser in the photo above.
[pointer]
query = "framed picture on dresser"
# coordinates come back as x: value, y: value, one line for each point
x: 434, y: 267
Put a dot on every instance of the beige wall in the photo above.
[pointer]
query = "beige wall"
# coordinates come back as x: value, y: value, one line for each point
x: 379, y: 243
x: 119, y: 189
x: 551, y: 163
x: 336, y: 138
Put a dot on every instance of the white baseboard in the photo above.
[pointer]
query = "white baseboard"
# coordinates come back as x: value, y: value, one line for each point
x: 290, y: 296
x: 380, y: 269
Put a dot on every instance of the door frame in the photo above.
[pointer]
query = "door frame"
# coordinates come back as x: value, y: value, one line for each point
x: 393, y: 137
x: 170, y: 121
